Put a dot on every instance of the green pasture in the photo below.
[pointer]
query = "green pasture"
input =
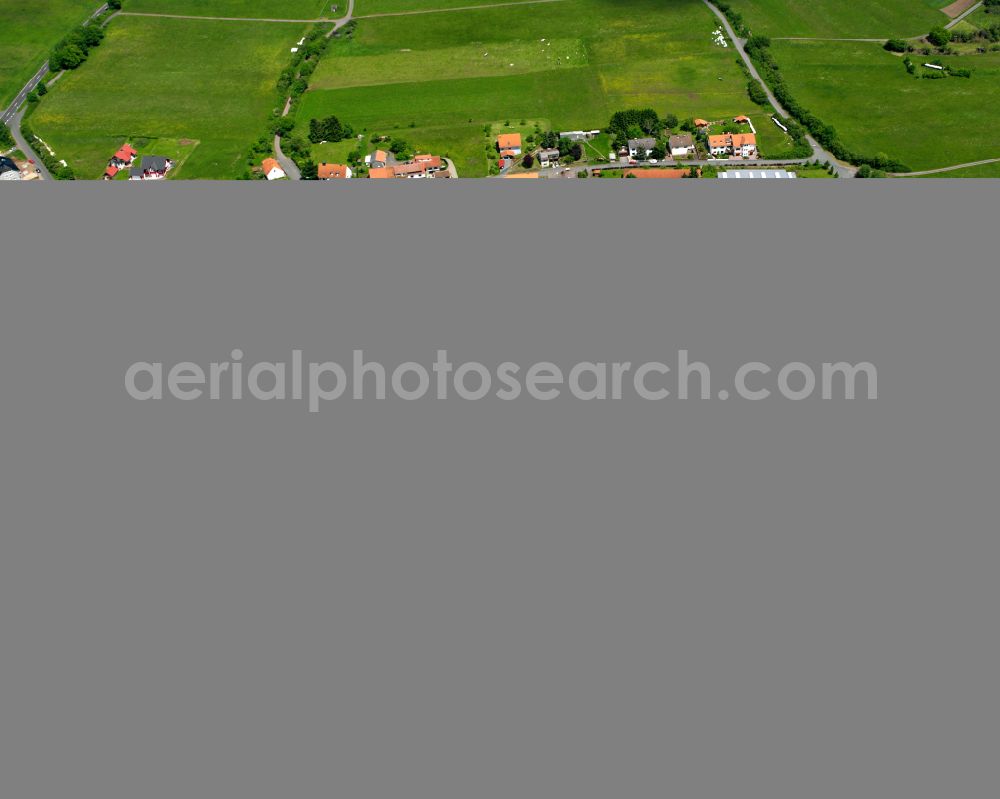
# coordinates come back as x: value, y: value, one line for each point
x: 841, y: 18
x: 866, y: 94
x: 29, y: 29
x: 264, y: 9
x: 436, y: 79
x: 209, y: 83
x: 363, y: 8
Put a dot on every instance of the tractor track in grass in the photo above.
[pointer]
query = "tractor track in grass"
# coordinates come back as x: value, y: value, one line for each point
x: 943, y: 169
x: 332, y: 20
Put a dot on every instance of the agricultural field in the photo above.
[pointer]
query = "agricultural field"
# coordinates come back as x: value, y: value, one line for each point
x: 28, y: 30
x: 270, y: 9
x: 206, y: 86
x: 867, y: 95
x: 363, y: 8
x: 981, y: 18
x: 841, y: 18
x: 436, y: 79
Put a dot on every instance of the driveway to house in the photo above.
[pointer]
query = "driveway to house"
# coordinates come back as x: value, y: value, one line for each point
x: 844, y: 170
x: 291, y: 169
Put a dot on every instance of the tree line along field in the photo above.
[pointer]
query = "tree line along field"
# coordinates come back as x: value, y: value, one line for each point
x: 206, y: 86
x: 202, y: 90
x: 28, y: 30
x: 437, y: 79
x: 841, y: 18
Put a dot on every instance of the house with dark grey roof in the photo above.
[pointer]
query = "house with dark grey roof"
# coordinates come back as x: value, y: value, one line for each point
x: 548, y: 156
x: 641, y: 148
x: 151, y: 167
x: 8, y: 169
x: 682, y: 145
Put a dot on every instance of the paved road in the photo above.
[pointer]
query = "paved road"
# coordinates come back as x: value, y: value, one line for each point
x: 844, y: 170
x: 12, y: 117
x: 24, y: 147
x: 290, y: 168
x: 22, y: 95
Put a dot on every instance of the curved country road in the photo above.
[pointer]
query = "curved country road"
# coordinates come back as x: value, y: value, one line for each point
x: 11, y: 117
x: 24, y: 147
x: 843, y: 170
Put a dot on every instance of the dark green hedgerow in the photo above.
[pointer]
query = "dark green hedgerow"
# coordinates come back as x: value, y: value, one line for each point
x: 292, y: 84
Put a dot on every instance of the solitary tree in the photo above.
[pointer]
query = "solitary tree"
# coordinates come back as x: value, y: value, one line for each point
x: 939, y: 37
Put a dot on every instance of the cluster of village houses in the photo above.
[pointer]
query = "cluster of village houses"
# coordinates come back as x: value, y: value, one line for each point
x: 150, y: 167
x: 382, y: 164
x: 682, y: 145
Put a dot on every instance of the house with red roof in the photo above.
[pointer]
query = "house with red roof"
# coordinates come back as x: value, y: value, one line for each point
x: 272, y: 169
x: 734, y: 145
x: 333, y: 172
x: 124, y: 157
x: 509, y: 144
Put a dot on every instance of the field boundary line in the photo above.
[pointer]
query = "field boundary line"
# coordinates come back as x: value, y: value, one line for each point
x: 457, y: 8
x: 969, y: 11
x: 319, y: 20
x: 942, y: 169
x: 825, y: 39
x: 222, y: 19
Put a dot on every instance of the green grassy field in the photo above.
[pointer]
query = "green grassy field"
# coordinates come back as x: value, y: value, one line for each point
x: 981, y: 18
x: 363, y: 8
x: 28, y: 31
x: 204, y: 83
x: 841, y: 18
x: 270, y: 9
x: 866, y: 94
x: 436, y: 79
